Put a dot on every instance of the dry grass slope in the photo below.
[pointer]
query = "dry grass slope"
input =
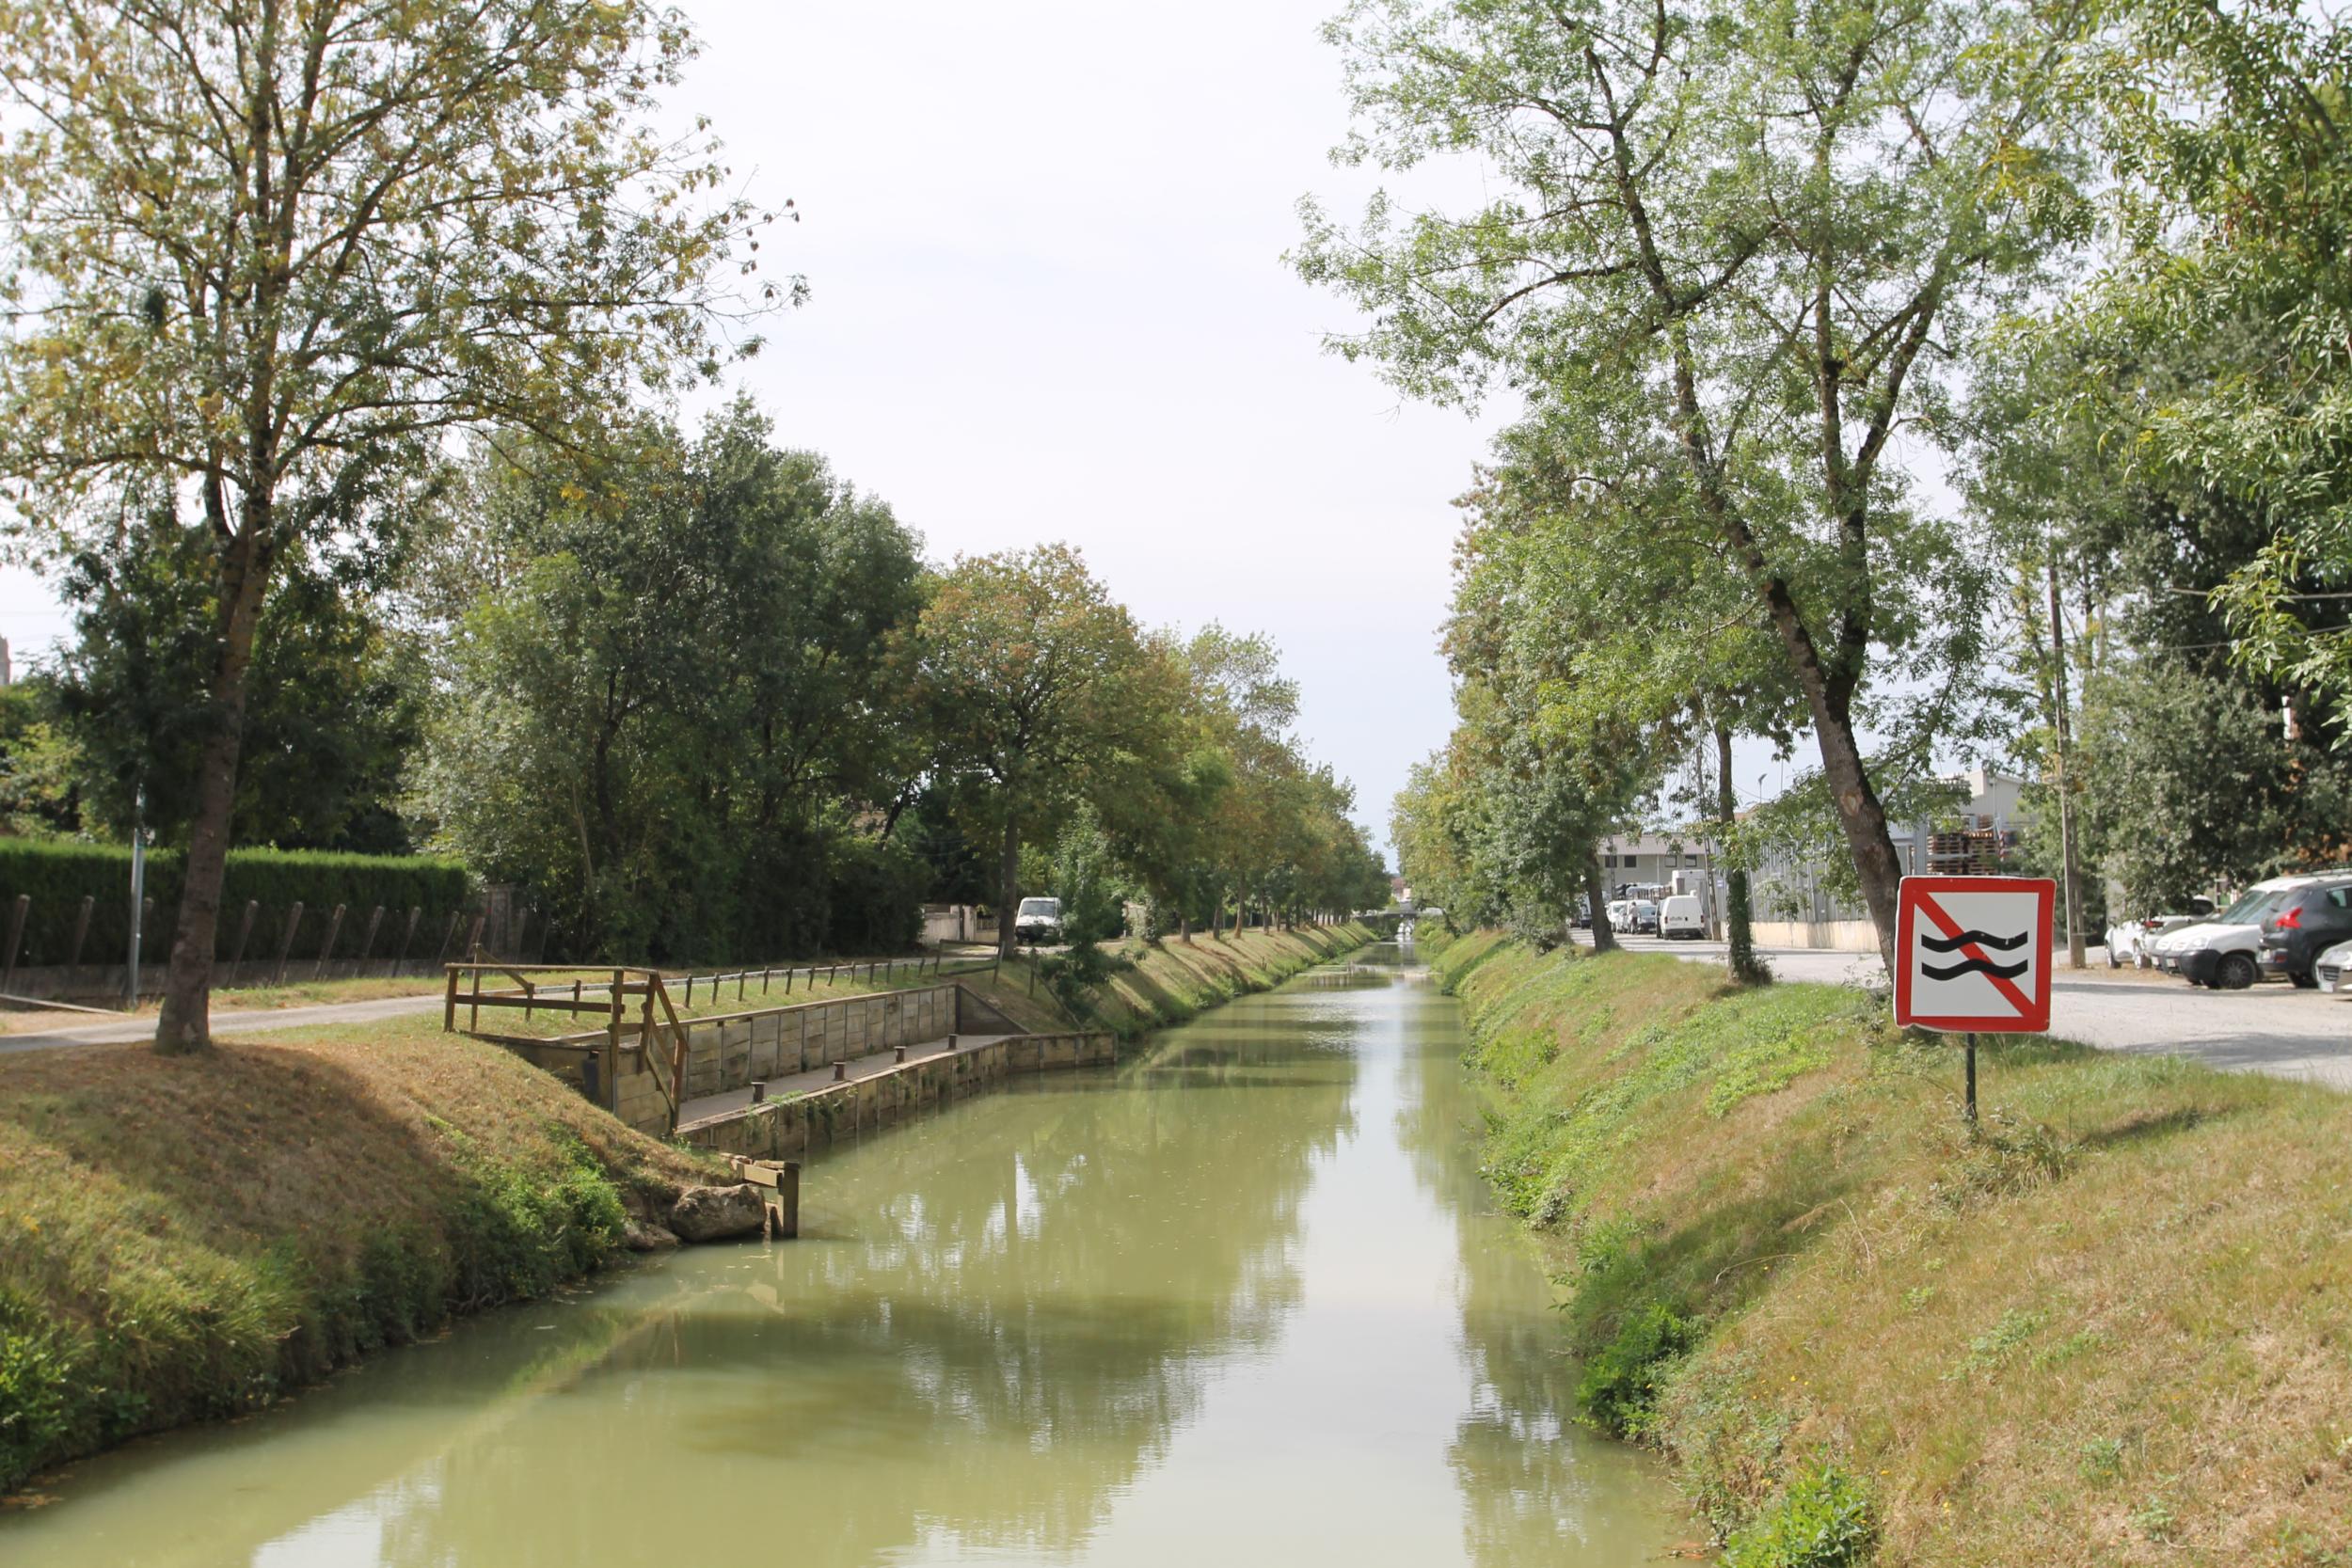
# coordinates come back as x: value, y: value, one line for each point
x: 2109, y: 1329
x: 186, y: 1238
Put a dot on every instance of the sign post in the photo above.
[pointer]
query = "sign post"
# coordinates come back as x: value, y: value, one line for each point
x: 1974, y: 958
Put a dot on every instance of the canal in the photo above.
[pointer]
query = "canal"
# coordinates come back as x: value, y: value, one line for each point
x: 1242, y: 1300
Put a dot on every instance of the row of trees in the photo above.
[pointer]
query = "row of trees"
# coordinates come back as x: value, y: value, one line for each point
x: 1746, y: 268
x: 332, y: 328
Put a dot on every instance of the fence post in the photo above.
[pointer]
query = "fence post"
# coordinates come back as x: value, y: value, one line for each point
x: 81, y: 932
x: 408, y: 938
x: 449, y: 1001
x: 285, y: 943
x: 612, y: 1044
x: 17, y: 912
x: 447, y: 936
x: 327, y: 949
x: 522, y: 931
x: 473, y: 940
x: 367, y: 949
x: 245, y: 934
x: 787, y: 982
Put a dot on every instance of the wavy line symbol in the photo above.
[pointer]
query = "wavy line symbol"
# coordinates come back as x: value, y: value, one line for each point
x: 1978, y: 966
x: 1952, y: 943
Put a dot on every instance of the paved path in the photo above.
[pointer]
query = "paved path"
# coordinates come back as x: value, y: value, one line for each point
x: 132, y: 1030
x: 2271, y: 1028
x: 820, y: 1078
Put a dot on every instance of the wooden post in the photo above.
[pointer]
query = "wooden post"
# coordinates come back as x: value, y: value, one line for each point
x: 677, y: 1068
x: 789, y: 1200
x: 449, y: 1002
x: 17, y: 911
x: 787, y: 982
x: 474, y: 937
x: 474, y: 1021
x: 645, y: 1043
x: 326, y: 948
x: 447, y: 936
x: 612, y: 1045
x: 80, y: 934
x: 244, y: 933
x: 764, y: 977
x: 367, y: 944
x: 408, y: 938
x: 743, y: 978
x: 690, y: 988
x: 285, y: 943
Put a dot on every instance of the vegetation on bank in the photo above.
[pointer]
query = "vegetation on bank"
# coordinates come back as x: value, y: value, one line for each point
x: 2105, y: 1329
x: 183, y: 1241
x: 1147, y: 985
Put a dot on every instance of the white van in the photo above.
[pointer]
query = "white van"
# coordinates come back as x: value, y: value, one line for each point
x: 1682, y: 917
x: 1621, y: 915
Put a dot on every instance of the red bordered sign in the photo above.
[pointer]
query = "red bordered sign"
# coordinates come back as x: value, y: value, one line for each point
x: 1974, y: 954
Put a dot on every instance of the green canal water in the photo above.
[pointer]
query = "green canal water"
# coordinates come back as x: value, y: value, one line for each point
x: 1243, y: 1301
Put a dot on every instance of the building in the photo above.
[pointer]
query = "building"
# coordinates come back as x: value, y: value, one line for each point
x: 1793, y: 898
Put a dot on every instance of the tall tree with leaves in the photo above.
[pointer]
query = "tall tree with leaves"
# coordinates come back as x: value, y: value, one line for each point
x: 1755, y: 228
x: 1031, y: 679
x: 268, y: 252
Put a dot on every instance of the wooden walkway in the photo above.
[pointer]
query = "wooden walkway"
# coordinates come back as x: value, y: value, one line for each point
x: 820, y: 1078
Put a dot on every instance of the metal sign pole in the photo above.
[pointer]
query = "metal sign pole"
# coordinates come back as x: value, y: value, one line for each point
x: 1972, y: 1079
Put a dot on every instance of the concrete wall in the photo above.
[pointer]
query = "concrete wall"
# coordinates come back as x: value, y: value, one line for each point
x: 727, y: 1051
x: 1843, y: 936
x: 789, y: 1129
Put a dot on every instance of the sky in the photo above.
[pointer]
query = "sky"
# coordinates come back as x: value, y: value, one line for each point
x: 1043, y: 244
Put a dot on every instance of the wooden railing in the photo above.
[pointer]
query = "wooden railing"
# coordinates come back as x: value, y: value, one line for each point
x: 570, y: 988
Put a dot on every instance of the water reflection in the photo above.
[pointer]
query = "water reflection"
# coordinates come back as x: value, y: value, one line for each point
x: 1243, y: 1296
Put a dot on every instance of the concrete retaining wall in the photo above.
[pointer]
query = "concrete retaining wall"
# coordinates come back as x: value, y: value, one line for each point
x: 1843, y: 936
x: 787, y: 1129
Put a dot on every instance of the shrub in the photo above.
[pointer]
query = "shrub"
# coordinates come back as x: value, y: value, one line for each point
x: 1618, y: 1391
x: 1823, y: 1520
x: 57, y: 874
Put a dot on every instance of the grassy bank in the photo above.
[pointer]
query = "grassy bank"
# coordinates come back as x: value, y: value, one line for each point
x: 1153, y: 986
x: 186, y: 1239
x: 2108, y: 1328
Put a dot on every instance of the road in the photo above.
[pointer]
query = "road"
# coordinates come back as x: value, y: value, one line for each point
x: 228, y: 1024
x: 2271, y: 1028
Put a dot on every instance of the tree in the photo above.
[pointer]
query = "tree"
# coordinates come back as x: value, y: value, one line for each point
x: 1030, y: 679
x: 2224, y: 130
x: 716, y: 794
x: 333, y: 708
x: 1752, y: 230
x: 266, y: 253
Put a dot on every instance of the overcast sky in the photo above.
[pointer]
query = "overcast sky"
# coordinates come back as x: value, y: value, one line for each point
x: 1044, y: 247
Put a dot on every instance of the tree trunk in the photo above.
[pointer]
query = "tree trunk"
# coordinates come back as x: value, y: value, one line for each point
x: 1739, y: 920
x: 1009, y: 888
x: 184, y: 1024
x: 2066, y: 809
x: 1597, y: 895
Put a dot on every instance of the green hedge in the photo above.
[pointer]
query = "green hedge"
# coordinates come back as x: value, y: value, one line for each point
x: 58, y: 874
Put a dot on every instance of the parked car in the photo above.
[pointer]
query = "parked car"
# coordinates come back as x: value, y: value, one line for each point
x: 1621, y: 914
x: 1037, y: 920
x: 1643, y: 918
x: 2226, y: 951
x: 2304, y: 925
x: 2327, y: 970
x: 2128, y: 941
x: 1682, y: 917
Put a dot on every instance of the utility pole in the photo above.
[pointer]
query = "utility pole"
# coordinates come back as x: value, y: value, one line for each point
x: 138, y: 896
x: 2066, y: 806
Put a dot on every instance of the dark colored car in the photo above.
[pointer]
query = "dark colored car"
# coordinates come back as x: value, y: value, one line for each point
x: 2302, y: 926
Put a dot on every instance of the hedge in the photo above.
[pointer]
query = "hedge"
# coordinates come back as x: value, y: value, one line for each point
x: 58, y: 874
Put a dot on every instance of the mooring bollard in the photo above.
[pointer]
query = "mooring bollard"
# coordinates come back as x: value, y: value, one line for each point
x: 759, y: 1090
x: 951, y: 1043
x: 902, y: 1054
x: 841, y: 1072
